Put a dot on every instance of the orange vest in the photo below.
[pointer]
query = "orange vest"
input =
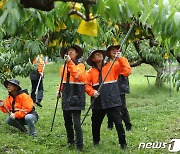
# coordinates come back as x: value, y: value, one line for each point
x: 23, y: 105
x: 73, y: 89
x: 120, y: 66
x: 40, y: 64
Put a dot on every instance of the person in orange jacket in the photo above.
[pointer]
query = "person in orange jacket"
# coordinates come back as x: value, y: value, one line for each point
x: 34, y: 77
x: 73, y: 94
x: 123, y: 84
x: 20, y: 107
x: 107, y: 100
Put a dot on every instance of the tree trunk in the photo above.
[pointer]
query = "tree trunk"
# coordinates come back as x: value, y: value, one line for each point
x: 159, y: 81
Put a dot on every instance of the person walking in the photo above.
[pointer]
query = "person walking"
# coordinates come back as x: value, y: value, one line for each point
x: 20, y: 107
x: 73, y: 94
x: 35, y: 76
x: 123, y: 83
x: 107, y: 100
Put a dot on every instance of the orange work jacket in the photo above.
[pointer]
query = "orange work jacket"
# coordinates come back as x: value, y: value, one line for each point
x: 40, y: 64
x: 23, y: 105
x: 109, y: 93
x: 73, y: 88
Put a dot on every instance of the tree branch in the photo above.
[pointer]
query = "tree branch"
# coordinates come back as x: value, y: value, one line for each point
x: 78, y: 13
x: 85, y: 17
x: 87, y: 12
x: 137, y: 63
x: 155, y: 43
x: 79, y: 1
x: 48, y: 5
x: 138, y: 49
x: 81, y: 15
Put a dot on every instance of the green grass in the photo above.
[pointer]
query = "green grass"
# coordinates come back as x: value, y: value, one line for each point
x: 154, y: 115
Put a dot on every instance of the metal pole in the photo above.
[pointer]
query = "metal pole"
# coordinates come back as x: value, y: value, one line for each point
x: 170, y: 72
x: 58, y: 97
x: 14, y: 119
x: 38, y: 85
x: 124, y: 40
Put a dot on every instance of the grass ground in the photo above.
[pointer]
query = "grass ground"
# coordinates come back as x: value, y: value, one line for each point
x: 154, y: 115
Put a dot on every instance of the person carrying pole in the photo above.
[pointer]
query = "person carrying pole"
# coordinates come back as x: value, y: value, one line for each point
x: 123, y: 84
x: 73, y: 94
x: 36, y: 77
x: 19, y: 106
x: 107, y: 100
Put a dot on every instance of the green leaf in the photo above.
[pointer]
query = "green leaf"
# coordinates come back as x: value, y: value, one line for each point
x: 131, y: 6
x: 9, y: 4
x: 166, y: 4
x: 50, y: 23
x: 101, y: 8
x: 39, y: 16
x: 11, y: 24
x: 177, y: 19
x: 15, y: 14
x: 3, y: 17
x: 1, y: 61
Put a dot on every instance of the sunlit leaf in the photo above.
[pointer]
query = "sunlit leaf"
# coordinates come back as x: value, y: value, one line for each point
x: 3, y: 17
x: 177, y: 19
x: 50, y: 23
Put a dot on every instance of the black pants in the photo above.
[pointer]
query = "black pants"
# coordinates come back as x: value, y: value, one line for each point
x: 34, y: 84
x: 97, y: 118
x: 124, y: 113
x: 73, y: 117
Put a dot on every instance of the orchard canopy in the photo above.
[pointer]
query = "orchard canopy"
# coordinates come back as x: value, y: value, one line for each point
x: 31, y: 27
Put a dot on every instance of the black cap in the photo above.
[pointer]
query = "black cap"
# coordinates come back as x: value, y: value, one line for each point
x: 89, y: 60
x: 12, y: 81
x: 110, y: 47
x: 76, y: 47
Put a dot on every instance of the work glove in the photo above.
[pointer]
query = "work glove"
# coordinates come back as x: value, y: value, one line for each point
x: 12, y: 116
x: 67, y: 58
x: 1, y: 103
x: 118, y: 54
x: 58, y: 94
x: 41, y: 73
x: 96, y: 94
